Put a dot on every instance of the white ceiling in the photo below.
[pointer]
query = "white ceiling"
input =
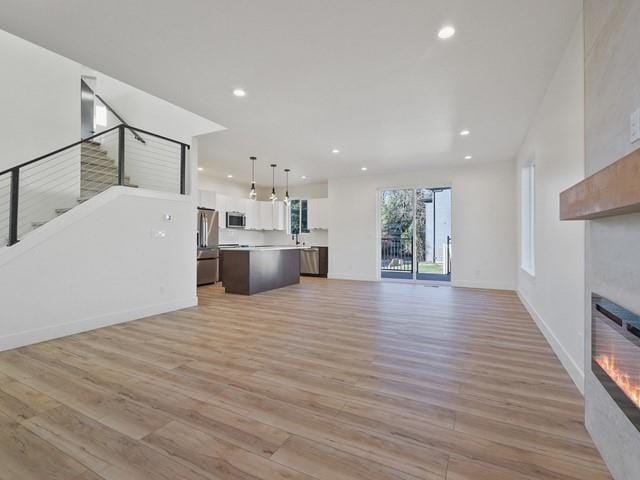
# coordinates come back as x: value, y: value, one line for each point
x: 369, y: 77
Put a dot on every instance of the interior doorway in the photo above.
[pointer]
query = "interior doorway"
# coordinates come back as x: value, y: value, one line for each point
x: 87, y: 108
x: 415, y: 234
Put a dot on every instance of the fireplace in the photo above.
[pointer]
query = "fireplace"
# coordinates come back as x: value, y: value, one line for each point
x: 615, y: 354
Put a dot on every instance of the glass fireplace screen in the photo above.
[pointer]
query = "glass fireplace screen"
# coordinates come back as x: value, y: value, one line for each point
x: 615, y: 351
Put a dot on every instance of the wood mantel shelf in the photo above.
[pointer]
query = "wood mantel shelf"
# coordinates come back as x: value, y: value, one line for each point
x: 614, y: 190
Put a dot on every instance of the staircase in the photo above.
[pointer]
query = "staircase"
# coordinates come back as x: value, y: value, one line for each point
x: 97, y: 173
x: 35, y: 192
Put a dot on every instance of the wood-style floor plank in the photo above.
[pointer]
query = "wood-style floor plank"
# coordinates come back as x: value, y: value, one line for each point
x: 24, y: 455
x: 326, y: 380
x: 215, y: 457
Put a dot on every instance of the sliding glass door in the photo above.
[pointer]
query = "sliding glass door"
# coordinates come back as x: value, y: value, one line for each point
x: 396, y: 220
x: 433, y: 233
x: 415, y: 234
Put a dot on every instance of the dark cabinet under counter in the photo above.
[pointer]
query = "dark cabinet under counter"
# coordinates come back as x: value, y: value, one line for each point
x: 251, y: 270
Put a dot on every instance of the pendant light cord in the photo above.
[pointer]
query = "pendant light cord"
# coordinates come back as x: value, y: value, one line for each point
x: 286, y: 170
x: 273, y: 178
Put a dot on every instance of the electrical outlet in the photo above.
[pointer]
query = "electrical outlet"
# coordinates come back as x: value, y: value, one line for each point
x: 635, y: 126
x: 158, y: 234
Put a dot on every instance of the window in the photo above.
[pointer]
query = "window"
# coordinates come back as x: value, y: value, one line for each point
x: 298, y: 215
x: 527, y: 231
x: 100, y: 119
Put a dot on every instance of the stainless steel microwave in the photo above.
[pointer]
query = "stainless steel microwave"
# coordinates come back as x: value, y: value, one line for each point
x: 236, y: 220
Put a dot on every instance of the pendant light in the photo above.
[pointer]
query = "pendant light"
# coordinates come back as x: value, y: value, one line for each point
x: 273, y: 196
x: 252, y: 192
x: 286, y: 195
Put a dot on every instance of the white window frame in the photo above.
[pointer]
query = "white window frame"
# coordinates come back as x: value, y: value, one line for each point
x: 527, y: 218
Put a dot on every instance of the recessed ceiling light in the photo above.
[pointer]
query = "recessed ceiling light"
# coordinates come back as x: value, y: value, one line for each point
x: 446, y: 32
x: 364, y: 169
x: 468, y: 157
x: 335, y: 150
x: 238, y: 92
x: 465, y: 132
x: 229, y: 176
x: 200, y: 169
x: 304, y: 177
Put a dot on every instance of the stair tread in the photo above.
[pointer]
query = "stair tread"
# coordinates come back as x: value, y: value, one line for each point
x: 96, y: 159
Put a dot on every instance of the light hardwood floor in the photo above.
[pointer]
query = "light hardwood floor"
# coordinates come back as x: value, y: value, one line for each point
x: 326, y: 380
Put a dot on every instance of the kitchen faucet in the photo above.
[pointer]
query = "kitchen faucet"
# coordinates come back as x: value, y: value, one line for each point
x: 296, y: 237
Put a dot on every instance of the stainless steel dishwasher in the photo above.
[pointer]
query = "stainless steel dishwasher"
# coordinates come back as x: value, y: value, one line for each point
x: 310, y: 261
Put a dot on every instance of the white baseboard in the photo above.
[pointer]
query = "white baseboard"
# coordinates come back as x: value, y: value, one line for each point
x: 30, y: 337
x: 348, y: 276
x: 482, y: 284
x: 454, y: 283
x: 572, y: 368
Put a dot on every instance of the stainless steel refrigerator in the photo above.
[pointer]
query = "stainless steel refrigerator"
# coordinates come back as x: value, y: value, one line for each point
x: 208, y: 250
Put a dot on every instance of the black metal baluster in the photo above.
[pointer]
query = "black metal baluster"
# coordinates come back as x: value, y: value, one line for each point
x: 121, y: 155
x: 183, y: 169
x: 13, y: 206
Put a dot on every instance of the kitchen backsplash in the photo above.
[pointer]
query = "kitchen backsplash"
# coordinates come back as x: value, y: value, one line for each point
x: 313, y: 238
x: 252, y: 237
x: 244, y: 237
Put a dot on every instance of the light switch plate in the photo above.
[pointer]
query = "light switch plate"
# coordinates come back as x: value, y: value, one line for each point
x: 635, y: 126
x: 158, y: 234
x: 168, y: 217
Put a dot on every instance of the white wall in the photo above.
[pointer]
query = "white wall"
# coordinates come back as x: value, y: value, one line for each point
x: 40, y: 99
x: 80, y: 271
x: 483, y: 222
x: 154, y: 164
x: 223, y: 187
x: 555, y: 295
x: 150, y: 113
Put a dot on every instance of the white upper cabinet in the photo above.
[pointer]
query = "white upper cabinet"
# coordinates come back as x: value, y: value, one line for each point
x: 318, y: 214
x: 241, y: 205
x: 232, y: 204
x: 252, y: 212
x: 266, y: 215
x: 279, y: 216
x: 221, y: 207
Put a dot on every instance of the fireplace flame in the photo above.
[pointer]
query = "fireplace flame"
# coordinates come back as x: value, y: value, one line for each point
x: 622, y: 379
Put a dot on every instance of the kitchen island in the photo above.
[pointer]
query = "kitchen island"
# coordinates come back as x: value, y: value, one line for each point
x: 249, y: 270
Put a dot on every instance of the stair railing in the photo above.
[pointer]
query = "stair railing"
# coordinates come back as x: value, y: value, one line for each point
x: 120, y: 119
x: 36, y: 191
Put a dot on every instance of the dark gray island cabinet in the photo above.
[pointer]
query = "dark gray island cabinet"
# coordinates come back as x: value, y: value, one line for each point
x: 249, y: 270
